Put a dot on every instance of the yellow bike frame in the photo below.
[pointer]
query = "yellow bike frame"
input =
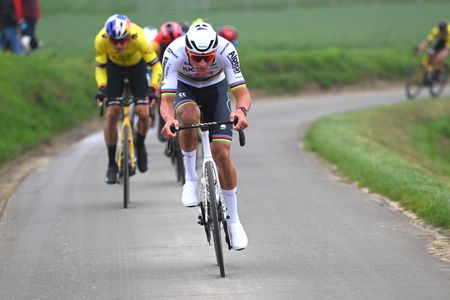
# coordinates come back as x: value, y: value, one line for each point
x: 126, y: 123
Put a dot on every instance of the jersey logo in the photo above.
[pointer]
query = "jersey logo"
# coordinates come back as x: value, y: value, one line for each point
x: 171, y: 52
x: 134, y: 36
x: 165, y: 67
x: 233, y: 58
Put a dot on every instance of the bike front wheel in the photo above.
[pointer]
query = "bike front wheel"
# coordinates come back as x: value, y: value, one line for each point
x: 415, y: 82
x: 438, y: 81
x: 214, y: 215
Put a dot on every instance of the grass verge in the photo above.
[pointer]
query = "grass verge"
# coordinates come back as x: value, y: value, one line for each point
x: 380, y: 150
x: 290, y: 72
x: 41, y: 96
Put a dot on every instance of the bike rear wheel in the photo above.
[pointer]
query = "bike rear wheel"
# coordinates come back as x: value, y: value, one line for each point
x: 214, y: 215
x: 125, y: 167
x: 415, y: 82
x: 439, y: 80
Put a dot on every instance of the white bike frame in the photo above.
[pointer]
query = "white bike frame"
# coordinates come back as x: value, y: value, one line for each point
x: 207, y: 157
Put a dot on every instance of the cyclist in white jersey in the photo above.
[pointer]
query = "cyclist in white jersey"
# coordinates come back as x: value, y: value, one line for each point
x: 198, y: 69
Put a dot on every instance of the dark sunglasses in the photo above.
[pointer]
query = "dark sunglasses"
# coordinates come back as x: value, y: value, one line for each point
x: 199, y: 57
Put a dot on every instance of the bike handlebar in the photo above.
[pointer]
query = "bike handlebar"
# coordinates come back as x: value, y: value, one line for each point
x: 205, y: 126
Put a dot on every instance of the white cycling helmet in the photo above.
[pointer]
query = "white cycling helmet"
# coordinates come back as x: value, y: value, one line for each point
x: 201, y: 38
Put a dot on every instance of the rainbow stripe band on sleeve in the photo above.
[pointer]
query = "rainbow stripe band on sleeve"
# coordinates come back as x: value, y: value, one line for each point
x: 151, y: 63
x: 237, y: 85
x: 168, y: 92
x: 222, y: 138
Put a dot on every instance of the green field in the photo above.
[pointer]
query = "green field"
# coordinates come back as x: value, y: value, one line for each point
x: 282, y: 50
x: 297, y: 29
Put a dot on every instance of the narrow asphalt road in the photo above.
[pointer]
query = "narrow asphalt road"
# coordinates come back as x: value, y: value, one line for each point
x: 64, y: 234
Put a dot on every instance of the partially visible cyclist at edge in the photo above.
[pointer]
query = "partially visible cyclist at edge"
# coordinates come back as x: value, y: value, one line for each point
x: 440, y: 35
x: 230, y: 33
x: 122, y: 51
x: 168, y: 32
x: 198, y: 69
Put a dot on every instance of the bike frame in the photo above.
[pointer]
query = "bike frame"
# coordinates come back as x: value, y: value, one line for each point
x: 126, y: 122
x: 207, y: 157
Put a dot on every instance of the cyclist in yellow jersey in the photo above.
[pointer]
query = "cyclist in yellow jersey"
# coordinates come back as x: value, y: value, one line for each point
x: 122, y: 51
x: 440, y: 35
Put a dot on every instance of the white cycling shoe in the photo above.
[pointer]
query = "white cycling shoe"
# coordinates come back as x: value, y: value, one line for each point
x: 238, y: 237
x: 189, y: 197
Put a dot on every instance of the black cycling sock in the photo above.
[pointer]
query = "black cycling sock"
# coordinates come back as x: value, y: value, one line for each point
x: 140, y: 140
x: 112, y: 155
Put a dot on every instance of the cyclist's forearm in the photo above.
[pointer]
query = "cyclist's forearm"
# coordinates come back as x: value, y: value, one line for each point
x: 243, y: 98
x: 166, y: 108
x: 423, y: 45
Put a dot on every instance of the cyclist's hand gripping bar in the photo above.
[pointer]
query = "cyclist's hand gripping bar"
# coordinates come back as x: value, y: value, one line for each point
x: 208, y: 125
x: 241, y: 133
x: 102, y: 108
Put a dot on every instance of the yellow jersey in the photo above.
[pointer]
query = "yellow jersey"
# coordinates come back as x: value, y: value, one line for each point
x: 138, y: 48
x: 434, y: 34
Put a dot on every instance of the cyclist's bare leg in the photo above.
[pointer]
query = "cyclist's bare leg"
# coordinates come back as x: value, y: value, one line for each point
x: 228, y: 181
x: 143, y: 124
x: 189, y: 114
x: 440, y: 57
x: 110, y: 133
x: 142, y: 110
x: 225, y: 167
x: 110, y: 125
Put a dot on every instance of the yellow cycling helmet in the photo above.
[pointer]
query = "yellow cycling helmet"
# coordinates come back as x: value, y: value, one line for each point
x: 199, y: 20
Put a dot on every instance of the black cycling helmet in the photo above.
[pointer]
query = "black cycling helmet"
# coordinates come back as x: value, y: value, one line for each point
x: 184, y: 26
x: 443, y: 25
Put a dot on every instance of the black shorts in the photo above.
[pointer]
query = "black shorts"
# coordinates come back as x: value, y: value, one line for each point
x: 137, y: 77
x: 214, y: 104
x: 439, y: 45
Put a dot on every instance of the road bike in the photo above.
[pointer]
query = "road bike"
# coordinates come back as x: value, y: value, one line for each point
x: 213, y: 212
x: 427, y: 75
x: 126, y: 154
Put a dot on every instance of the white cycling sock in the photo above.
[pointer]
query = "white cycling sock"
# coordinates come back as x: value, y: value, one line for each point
x: 190, y: 161
x: 231, y: 203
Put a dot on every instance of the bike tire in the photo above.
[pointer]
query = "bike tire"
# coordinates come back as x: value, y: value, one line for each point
x: 179, y: 164
x: 180, y: 169
x: 414, y: 82
x: 437, y: 86
x: 125, y: 167
x: 214, y: 214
